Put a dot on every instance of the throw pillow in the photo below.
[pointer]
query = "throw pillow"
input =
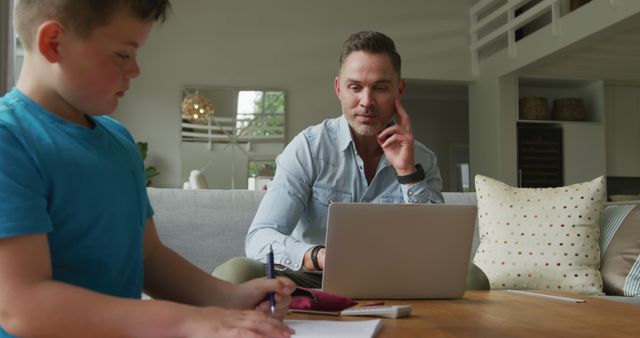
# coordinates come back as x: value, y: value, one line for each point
x: 620, y: 247
x: 543, y: 238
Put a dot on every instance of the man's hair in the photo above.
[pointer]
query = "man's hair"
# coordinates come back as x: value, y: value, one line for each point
x: 80, y: 17
x: 371, y: 42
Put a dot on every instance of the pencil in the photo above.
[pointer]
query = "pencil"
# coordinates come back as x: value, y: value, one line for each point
x: 542, y: 295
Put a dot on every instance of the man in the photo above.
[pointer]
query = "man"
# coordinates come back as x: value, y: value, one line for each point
x: 366, y: 155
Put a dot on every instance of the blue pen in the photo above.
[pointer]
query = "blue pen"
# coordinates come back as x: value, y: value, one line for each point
x: 271, y: 275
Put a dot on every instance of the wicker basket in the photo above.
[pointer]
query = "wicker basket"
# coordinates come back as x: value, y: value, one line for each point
x: 534, y: 108
x: 568, y: 109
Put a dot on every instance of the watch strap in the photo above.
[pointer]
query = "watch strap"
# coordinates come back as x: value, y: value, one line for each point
x: 417, y: 176
x: 314, y: 257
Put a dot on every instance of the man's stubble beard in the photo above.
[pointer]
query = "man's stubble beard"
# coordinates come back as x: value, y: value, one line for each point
x: 364, y: 129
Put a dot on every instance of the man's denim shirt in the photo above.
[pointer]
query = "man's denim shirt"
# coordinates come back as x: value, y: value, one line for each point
x: 318, y: 167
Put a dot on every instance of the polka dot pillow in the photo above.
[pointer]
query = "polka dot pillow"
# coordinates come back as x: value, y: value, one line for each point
x: 541, y: 239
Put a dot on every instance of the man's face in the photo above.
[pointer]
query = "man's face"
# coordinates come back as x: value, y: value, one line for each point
x: 367, y: 87
x: 95, y: 71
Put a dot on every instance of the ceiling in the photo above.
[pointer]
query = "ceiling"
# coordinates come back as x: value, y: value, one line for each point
x: 614, y: 58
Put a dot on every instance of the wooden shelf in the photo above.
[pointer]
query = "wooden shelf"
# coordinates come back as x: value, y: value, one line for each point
x: 519, y: 121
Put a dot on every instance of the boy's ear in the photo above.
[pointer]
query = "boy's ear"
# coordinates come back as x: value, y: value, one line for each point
x: 48, y: 40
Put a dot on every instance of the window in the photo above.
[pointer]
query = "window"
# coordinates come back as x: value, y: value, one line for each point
x: 19, y: 58
x: 260, y: 174
x: 235, y: 148
x: 262, y: 168
x: 260, y: 113
x: 239, y: 116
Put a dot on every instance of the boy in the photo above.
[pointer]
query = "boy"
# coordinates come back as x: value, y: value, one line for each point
x: 77, y: 238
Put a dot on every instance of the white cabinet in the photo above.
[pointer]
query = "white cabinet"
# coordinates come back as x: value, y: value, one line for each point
x: 622, y: 106
x: 584, y: 152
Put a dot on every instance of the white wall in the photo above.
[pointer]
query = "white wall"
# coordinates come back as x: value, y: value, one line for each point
x: 5, y: 41
x: 224, y: 163
x: 622, y: 130
x: 440, y: 118
x: 288, y: 44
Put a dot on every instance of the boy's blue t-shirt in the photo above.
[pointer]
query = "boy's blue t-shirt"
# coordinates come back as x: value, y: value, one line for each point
x: 84, y: 188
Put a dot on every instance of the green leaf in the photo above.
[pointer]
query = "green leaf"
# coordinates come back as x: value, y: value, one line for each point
x: 151, y: 171
x: 142, y: 149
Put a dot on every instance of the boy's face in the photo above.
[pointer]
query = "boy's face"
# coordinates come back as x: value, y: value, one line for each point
x: 94, y: 72
x: 367, y: 87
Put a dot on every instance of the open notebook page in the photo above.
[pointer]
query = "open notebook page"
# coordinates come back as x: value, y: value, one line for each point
x: 334, y: 328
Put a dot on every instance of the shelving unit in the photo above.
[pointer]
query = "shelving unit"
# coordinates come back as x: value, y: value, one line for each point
x: 590, y: 92
x: 540, y: 156
x: 580, y: 145
x: 556, y: 122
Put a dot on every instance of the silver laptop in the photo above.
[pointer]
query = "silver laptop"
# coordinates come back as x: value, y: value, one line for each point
x: 398, y: 251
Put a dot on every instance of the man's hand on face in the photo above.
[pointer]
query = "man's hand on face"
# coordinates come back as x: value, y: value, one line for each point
x: 397, y: 143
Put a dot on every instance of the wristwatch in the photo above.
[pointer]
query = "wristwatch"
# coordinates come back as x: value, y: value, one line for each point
x: 417, y: 176
x: 314, y: 257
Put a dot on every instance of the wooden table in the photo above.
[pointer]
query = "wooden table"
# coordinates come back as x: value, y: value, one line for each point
x: 505, y: 314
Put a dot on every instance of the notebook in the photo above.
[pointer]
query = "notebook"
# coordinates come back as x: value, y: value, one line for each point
x: 398, y: 251
x: 333, y: 328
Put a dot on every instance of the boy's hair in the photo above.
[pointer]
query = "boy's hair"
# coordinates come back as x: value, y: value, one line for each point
x: 80, y: 17
x: 372, y: 42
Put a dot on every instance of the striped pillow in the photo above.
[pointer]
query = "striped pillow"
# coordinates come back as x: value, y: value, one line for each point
x: 620, y: 249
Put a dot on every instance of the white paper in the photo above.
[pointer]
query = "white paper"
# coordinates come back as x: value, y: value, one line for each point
x: 334, y: 328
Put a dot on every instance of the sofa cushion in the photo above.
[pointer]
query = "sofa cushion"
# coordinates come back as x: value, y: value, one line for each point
x: 620, y: 246
x: 540, y: 238
x: 207, y: 227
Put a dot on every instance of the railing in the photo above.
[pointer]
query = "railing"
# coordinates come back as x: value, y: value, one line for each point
x: 236, y: 130
x: 502, y: 22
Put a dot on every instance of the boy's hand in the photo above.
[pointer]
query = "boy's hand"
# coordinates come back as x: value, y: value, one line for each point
x: 253, y: 295
x: 219, y: 322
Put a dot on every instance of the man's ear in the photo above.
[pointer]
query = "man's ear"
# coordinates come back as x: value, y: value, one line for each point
x: 48, y: 40
x: 401, y: 85
x: 336, y: 86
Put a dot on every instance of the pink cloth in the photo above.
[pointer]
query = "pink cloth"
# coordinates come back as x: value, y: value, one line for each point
x: 313, y: 299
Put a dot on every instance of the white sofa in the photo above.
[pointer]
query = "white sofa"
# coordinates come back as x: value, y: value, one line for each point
x: 208, y: 227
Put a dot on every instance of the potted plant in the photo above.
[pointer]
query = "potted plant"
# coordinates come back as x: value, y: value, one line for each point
x: 151, y: 171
